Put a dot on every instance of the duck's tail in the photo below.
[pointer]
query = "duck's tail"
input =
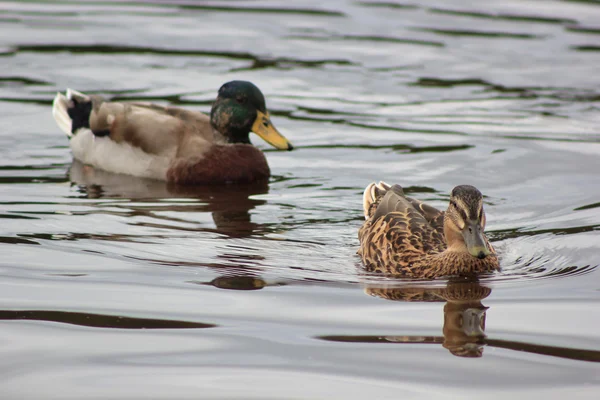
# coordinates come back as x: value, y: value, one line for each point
x: 71, y: 111
x: 373, y: 194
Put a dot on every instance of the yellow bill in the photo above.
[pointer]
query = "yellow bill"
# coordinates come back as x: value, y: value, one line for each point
x: 264, y: 128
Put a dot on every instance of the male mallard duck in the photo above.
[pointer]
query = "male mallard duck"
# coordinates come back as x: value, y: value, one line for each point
x: 402, y: 236
x: 168, y: 143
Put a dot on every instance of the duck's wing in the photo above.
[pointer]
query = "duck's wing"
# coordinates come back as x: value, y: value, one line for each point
x: 397, y: 232
x: 406, y: 223
x: 197, y: 119
x: 155, y: 129
x: 434, y: 216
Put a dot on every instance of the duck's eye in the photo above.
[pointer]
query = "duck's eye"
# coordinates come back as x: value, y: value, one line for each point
x: 266, y: 123
x: 241, y: 99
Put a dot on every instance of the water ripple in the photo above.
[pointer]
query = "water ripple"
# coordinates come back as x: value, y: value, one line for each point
x: 262, y: 10
x: 99, y: 320
x: 504, y: 16
x: 258, y: 62
x: 479, y: 33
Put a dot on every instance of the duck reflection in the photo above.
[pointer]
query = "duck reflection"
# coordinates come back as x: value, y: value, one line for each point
x: 229, y: 205
x: 464, y: 314
x: 464, y: 323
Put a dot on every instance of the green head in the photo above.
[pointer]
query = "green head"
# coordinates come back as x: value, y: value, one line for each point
x: 240, y: 109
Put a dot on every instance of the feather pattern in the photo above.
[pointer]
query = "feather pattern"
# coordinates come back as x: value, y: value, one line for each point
x: 403, y: 236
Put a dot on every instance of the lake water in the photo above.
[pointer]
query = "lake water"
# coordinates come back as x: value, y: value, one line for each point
x: 117, y: 287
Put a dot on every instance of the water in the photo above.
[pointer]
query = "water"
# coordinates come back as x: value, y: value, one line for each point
x: 116, y: 287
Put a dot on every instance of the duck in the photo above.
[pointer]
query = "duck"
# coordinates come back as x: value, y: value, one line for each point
x: 170, y: 143
x: 405, y: 237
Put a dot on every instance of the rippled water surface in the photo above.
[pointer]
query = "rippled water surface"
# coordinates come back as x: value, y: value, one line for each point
x: 117, y: 287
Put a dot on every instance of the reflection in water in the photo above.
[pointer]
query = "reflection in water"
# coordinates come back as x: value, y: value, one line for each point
x: 464, y: 323
x: 464, y: 326
x: 168, y: 206
x: 238, y: 282
x: 100, y: 321
x: 229, y: 205
x: 464, y: 315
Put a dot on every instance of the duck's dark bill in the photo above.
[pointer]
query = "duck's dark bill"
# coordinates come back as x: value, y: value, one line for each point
x: 264, y: 128
x: 474, y: 241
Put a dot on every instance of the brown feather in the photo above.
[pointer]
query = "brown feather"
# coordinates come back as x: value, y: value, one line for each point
x: 403, y: 236
x: 434, y: 217
x: 221, y: 163
x: 155, y: 129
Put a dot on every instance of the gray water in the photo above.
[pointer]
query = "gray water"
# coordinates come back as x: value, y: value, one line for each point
x: 117, y: 287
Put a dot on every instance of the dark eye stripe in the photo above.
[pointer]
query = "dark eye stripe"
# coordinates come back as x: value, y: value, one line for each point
x: 460, y: 210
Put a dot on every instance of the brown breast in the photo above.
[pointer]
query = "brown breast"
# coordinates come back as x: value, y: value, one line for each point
x: 236, y: 163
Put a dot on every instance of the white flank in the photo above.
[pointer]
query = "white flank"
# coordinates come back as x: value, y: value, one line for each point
x: 121, y: 158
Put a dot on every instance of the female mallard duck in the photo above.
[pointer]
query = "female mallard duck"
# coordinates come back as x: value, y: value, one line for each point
x: 168, y: 143
x: 402, y: 236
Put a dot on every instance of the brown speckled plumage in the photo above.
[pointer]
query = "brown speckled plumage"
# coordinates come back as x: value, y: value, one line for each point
x: 402, y: 236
